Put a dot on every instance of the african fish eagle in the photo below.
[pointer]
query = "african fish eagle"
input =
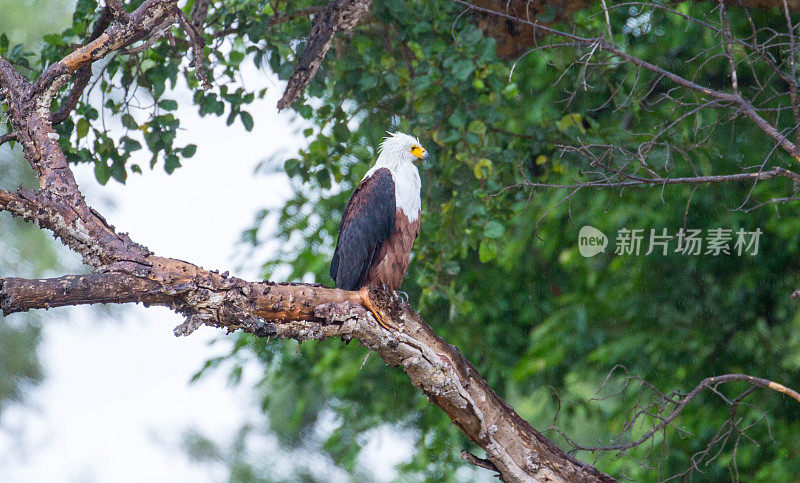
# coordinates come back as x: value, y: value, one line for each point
x: 381, y: 221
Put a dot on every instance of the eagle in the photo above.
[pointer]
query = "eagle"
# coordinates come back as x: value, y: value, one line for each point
x: 381, y: 221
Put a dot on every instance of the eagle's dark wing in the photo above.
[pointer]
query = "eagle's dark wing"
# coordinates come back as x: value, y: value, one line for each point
x: 367, y: 221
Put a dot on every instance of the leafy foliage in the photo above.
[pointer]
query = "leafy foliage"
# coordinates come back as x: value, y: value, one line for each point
x: 506, y: 284
x: 496, y: 269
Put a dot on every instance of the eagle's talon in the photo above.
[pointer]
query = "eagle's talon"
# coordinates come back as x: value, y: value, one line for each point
x: 403, y: 295
x: 365, y: 301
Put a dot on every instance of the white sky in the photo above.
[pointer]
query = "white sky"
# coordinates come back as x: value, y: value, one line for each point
x: 117, y: 396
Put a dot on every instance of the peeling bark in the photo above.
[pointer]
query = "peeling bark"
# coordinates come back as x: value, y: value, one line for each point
x: 312, y: 312
x: 125, y: 272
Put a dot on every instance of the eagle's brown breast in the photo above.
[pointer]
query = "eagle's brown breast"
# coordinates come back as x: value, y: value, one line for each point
x: 391, y: 263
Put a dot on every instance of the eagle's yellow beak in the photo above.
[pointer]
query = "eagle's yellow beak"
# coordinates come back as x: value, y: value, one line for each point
x: 425, y: 156
x: 420, y: 153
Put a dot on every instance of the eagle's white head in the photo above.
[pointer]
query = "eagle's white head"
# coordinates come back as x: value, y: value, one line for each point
x: 399, y: 147
x: 398, y: 153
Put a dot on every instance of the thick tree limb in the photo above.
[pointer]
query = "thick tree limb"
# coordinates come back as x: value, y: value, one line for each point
x: 59, y: 205
x: 339, y: 16
x: 82, y: 77
x: 116, y: 8
x: 127, y: 272
x: 312, y: 312
x: 19, y: 294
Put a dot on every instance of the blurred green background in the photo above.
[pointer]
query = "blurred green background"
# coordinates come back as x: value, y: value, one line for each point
x: 496, y: 269
x: 25, y: 251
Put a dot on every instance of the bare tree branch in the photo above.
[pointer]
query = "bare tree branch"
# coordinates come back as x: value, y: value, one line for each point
x: 135, y: 26
x: 198, y: 47
x: 339, y: 16
x: 84, y: 74
x: 742, y: 104
x: 124, y: 272
x: 313, y: 312
x: 680, y: 403
x: 199, y: 14
x: 479, y: 462
x: 633, y: 181
x: 9, y: 136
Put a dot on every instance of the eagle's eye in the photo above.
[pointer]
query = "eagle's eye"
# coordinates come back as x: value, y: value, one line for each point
x: 417, y: 151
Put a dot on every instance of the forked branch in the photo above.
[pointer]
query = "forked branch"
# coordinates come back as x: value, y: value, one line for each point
x: 124, y: 272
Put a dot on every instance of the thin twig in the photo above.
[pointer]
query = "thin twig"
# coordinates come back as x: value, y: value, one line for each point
x: 743, y: 104
x: 709, y: 383
x: 7, y: 137
x: 198, y: 48
x: 793, y: 84
x: 633, y: 181
x: 608, y: 22
x: 479, y: 462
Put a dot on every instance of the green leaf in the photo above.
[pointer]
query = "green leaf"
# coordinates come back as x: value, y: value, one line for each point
x: 487, y: 251
x: 130, y: 144
x: 101, y: 171
x: 171, y: 163
x: 570, y: 120
x: 457, y: 119
x: 494, y: 229
x: 247, y: 120
x: 483, y: 168
x: 477, y: 127
x: 362, y: 153
x: 82, y: 128
x: 510, y: 91
x: 118, y: 172
x: 305, y: 111
x: 290, y: 166
x: 425, y: 105
x: 168, y: 105
x: 368, y: 81
x: 129, y: 122
x: 324, y: 178
x: 462, y: 69
x: 341, y: 132
x: 189, y: 150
